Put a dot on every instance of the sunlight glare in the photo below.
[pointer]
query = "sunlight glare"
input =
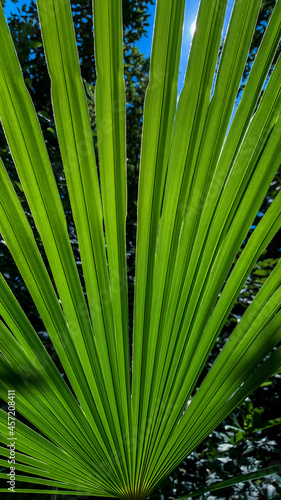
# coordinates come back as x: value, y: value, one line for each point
x: 193, y: 28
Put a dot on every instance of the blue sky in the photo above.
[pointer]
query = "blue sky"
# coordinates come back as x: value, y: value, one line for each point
x: 190, y: 16
x: 11, y: 7
x: 145, y: 42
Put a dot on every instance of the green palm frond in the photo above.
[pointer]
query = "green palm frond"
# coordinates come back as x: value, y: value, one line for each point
x: 118, y: 425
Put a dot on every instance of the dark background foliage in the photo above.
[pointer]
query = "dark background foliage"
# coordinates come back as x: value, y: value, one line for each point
x: 250, y: 437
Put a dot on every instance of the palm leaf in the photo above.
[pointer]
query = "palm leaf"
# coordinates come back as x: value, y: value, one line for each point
x: 118, y: 426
